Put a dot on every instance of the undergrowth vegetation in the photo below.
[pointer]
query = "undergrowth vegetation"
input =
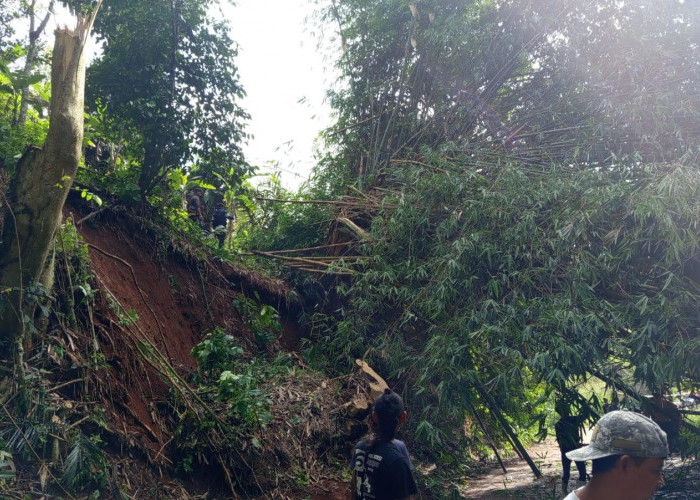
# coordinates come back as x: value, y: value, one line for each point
x: 230, y: 387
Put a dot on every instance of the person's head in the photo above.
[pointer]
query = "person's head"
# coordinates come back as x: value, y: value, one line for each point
x: 629, y: 447
x: 562, y: 407
x: 198, y: 191
x: 388, y: 413
x: 219, y: 206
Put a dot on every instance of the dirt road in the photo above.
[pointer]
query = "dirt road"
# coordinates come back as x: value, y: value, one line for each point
x: 682, y: 478
x: 519, y: 481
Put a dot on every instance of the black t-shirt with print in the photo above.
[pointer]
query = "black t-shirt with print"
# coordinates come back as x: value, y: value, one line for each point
x: 382, y: 472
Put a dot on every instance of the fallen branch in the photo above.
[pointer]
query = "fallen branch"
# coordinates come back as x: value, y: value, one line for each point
x: 302, y: 261
x: 308, y: 249
x: 309, y: 202
x: 66, y: 384
x: 90, y: 215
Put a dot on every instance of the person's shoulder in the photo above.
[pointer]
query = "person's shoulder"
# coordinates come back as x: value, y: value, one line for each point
x: 363, y: 444
x: 393, y: 454
x: 401, y: 446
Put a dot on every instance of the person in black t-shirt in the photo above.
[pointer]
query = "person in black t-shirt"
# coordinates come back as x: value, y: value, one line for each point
x: 195, y: 208
x: 219, y: 221
x: 568, y: 432
x: 381, y: 469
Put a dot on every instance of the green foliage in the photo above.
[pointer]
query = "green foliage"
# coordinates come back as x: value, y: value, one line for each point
x: 72, y: 275
x: 503, y: 282
x: 8, y: 12
x: 165, y: 89
x: 85, y: 466
x: 689, y: 443
x: 216, y: 353
x: 262, y: 320
x: 272, y: 225
x: 14, y: 138
x: 539, y: 221
x: 236, y: 409
x: 39, y: 436
x: 7, y: 465
x: 525, y: 75
x: 247, y: 404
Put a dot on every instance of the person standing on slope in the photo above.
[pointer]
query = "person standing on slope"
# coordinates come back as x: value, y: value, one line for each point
x: 195, y: 207
x: 381, y: 469
x: 219, y: 221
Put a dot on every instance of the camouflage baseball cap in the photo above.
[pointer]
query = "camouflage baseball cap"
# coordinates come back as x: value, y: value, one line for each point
x: 623, y: 433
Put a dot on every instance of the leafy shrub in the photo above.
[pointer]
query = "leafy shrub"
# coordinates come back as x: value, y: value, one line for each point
x: 85, y: 466
x: 216, y: 353
x: 262, y: 320
x: 233, y: 408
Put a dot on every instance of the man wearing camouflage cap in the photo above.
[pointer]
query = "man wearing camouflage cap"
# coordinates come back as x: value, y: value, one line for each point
x: 628, y: 452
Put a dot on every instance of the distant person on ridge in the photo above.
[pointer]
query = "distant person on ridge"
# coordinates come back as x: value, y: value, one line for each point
x: 568, y: 432
x: 219, y: 222
x: 628, y: 452
x: 608, y: 407
x: 195, y: 208
x: 381, y: 469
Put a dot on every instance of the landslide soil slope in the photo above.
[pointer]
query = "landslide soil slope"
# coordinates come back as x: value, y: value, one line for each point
x: 152, y: 292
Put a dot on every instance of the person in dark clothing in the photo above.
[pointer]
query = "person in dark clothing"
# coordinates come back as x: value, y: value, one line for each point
x: 219, y: 222
x: 195, y: 208
x: 608, y: 407
x: 381, y: 470
x: 568, y: 433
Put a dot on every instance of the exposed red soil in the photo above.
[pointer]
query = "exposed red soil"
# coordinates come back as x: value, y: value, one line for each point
x: 172, y: 303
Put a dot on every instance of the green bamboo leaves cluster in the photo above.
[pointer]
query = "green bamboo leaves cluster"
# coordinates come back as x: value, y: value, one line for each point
x: 540, y: 165
x: 515, y: 279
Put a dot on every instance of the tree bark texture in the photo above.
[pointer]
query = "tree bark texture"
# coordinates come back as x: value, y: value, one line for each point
x: 39, y: 190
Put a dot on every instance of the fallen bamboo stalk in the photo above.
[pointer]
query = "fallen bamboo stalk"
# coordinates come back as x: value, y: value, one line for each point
x: 290, y: 259
x: 310, y: 202
x: 491, y: 403
x: 327, y: 271
x: 322, y: 247
x: 364, y: 235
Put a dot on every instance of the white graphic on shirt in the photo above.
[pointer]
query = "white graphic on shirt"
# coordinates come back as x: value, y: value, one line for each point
x: 365, y: 465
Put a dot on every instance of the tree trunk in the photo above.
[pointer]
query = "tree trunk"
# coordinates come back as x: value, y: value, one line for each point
x: 36, y: 197
x: 30, y: 61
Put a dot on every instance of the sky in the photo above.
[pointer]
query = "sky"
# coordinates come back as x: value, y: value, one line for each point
x: 285, y: 78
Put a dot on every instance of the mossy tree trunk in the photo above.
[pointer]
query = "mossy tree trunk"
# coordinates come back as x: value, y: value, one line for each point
x: 36, y: 197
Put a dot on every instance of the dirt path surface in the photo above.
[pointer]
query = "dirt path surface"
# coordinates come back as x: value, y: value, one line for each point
x: 682, y: 478
x: 519, y: 481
